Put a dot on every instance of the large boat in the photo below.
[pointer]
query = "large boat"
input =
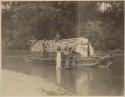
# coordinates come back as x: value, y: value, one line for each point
x: 82, y: 47
x: 92, y: 61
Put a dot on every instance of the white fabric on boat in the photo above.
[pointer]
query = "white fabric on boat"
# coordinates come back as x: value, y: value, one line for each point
x: 80, y: 45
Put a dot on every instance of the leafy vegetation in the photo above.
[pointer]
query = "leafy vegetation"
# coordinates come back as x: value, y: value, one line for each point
x: 23, y: 20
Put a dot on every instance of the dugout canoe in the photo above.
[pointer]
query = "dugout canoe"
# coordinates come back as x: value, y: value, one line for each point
x: 91, y: 61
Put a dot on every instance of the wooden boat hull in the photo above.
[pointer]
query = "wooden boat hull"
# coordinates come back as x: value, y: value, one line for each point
x: 92, y: 61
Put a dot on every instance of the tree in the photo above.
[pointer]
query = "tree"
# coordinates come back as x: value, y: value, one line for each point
x: 23, y: 20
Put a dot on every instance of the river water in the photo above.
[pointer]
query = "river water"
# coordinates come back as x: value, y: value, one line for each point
x: 81, y: 81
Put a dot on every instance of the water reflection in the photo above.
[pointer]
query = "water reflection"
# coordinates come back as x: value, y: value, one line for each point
x: 88, y: 81
x: 81, y: 81
x: 58, y: 75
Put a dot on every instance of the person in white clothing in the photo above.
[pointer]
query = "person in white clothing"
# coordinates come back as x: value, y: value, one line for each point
x: 58, y: 58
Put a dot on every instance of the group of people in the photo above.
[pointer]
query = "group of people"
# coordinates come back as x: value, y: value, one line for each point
x: 69, y: 56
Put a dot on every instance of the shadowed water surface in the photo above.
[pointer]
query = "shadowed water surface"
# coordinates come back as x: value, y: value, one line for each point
x: 80, y: 81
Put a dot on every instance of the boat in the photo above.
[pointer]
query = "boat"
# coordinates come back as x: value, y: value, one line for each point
x: 81, y: 46
x: 90, y: 61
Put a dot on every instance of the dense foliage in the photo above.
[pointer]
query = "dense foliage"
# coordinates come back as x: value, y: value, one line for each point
x: 23, y: 20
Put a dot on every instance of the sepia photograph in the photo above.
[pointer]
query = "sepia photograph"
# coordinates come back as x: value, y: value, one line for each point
x: 62, y: 48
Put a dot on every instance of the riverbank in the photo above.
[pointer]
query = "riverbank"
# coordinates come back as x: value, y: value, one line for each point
x: 19, y: 84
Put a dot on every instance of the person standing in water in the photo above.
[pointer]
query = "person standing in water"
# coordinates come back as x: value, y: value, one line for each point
x: 58, y: 58
x: 70, y: 62
x: 44, y: 47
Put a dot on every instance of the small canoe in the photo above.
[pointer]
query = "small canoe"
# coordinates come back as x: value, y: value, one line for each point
x: 97, y: 61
